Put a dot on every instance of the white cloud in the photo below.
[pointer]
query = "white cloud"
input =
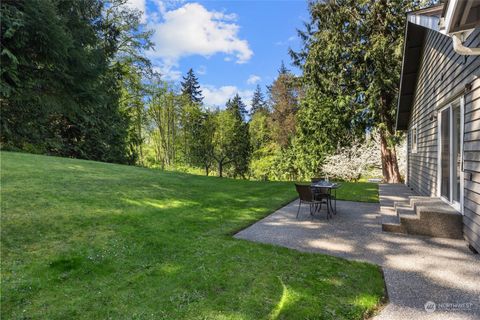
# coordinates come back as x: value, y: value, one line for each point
x: 253, y: 79
x: 193, y: 30
x: 218, y: 96
x: 139, y: 5
x: 168, y: 73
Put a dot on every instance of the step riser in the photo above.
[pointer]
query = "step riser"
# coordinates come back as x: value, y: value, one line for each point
x: 432, y: 228
x: 395, y: 228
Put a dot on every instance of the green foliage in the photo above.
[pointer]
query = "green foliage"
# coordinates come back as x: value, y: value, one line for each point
x: 223, y: 139
x: 284, y: 94
x: 202, y: 146
x: 262, y: 165
x: 258, y: 129
x: 59, y: 84
x: 163, y: 108
x: 239, y: 150
x: 323, y: 126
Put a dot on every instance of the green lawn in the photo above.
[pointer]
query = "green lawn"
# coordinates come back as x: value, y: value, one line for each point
x: 358, y: 191
x: 91, y: 240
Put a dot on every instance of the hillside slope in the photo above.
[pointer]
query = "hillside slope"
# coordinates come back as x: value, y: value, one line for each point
x: 89, y: 240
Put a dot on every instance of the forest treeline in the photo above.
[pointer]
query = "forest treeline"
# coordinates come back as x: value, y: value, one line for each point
x: 76, y: 82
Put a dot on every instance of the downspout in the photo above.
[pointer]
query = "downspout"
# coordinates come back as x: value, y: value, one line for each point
x: 460, y: 48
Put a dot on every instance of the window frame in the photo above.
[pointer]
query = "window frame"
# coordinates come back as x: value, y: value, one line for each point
x: 414, y: 139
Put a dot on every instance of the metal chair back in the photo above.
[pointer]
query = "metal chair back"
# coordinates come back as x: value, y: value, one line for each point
x: 304, y: 192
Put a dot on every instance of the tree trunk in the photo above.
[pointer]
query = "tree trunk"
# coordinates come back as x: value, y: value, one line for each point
x: 391, y: 174
x: 220, y: 169
x: 206, y: 170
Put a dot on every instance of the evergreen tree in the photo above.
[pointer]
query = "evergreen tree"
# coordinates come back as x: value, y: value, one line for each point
x: 239, y: 150
x: 237, y: 107
x: 191, y: 88
x: 258, y: 101
x: 283, y: 69
x: 284, y: 96
x: 60, y: 87
x: 354, y: 79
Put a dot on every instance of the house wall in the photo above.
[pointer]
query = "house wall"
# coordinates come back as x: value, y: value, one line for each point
x: 442, y: 76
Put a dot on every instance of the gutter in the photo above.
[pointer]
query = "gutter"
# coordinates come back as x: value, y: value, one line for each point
x: 460, y: 48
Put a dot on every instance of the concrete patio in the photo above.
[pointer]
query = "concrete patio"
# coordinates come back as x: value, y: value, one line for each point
x: 418, y: 270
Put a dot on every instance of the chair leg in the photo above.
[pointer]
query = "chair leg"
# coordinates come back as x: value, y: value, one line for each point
x: 328, y: 209
x: 299, y: 205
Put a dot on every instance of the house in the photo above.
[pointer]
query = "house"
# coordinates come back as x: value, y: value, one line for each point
x: 439, y: 109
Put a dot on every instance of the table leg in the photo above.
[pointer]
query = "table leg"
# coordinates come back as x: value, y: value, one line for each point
x: 335, y: 210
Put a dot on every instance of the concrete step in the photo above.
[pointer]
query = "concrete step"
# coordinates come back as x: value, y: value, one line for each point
x: 391, y: 224
x: 428, y: 216
x: 386, y: 210
x: 439, y: 219
x: 402, y: 204
x: 406, y: 212
x: 416, y: 200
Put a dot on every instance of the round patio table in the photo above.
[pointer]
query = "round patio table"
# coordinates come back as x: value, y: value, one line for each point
x: 329, y: 186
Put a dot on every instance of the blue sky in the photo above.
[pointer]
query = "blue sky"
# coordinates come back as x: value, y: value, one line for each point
x: 231, y: 45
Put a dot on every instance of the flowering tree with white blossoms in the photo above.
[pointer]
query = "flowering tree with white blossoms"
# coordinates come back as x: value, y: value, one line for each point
x: 361, y: 159
x: 350, y: 163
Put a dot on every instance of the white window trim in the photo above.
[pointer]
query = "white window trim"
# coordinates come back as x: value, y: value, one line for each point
x: 414, y: 137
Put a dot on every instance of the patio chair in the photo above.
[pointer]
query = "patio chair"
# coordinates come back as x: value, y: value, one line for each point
x: 323, y: 196
x: 306, y: 195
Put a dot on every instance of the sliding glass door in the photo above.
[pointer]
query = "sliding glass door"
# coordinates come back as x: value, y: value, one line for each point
x: 445, y: 153
x: 450, y: 154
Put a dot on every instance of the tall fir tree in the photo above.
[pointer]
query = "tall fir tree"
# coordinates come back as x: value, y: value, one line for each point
x: 258, y: 101
x: 283, y: 69
x: 237, y: 106
x: 239, y: 150
x: 191, y: 87
x: 354, y: 79
x: 284, y: 96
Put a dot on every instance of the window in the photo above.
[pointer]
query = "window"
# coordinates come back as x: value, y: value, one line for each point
x: 413, y: 139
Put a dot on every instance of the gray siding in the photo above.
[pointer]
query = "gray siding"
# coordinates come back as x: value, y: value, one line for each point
x: 471, y: 146
x: 442, y: 75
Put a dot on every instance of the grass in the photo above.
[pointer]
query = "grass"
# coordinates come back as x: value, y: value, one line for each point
x: 358, y: 191
x: 89, y: 240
